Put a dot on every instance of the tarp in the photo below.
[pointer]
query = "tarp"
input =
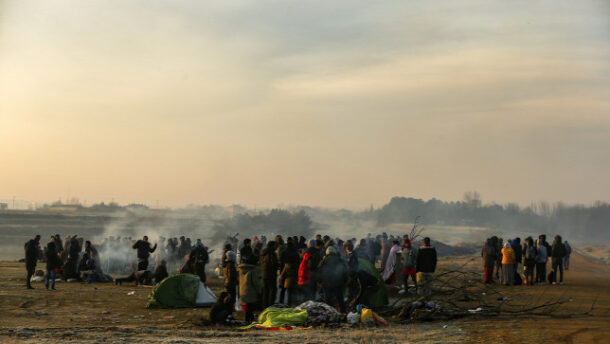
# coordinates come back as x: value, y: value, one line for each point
x: 279, y: 318
x: 181, y: 291
x: 379, y: 297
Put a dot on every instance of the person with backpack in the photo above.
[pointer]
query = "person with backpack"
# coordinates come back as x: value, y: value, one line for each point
x: 31, y: 257
x: 529, y: 260
x: 558, y: 252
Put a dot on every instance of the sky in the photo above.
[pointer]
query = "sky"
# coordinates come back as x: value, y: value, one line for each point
x: 322, y: 103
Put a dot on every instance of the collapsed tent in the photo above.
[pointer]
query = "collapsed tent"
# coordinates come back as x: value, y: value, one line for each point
x: 181, y: 291
x: 376, y: 296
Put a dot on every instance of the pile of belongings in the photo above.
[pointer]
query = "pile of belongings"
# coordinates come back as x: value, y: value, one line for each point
x: 181, y: 291
x: 320, y: 313
x: 419, y: 310
x: 278, y: 319
x: 366, y: 316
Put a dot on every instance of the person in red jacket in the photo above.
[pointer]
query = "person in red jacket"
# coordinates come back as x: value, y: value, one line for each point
x: 305, y: 277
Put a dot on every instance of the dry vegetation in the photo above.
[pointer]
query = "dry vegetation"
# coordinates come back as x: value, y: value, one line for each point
x: 105, y: 313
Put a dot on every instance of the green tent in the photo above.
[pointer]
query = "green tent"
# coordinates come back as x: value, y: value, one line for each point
x: 181, y: 291
x: 374, y: 298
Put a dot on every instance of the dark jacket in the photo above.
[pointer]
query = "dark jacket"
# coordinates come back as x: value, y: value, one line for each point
x: 352, y: 262
x: 269, y: 265
x: 516, y: 246
x: 426, y: 259
x: 332, y: 272
x: 160, y: 273
x: 558, y: 252
x: 290, y: 272
x: 53, y: 261
x: 144, y: 249
x: 31, y: 252
x: 245, y: 254
x: 489, y: 254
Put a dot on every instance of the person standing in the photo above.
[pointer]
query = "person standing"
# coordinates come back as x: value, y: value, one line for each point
x: 269, y: 267
x: 529, y: 260
x: 425, y: 267
x: 144, y: 250
x: 333, y: 276
x: 566, y: 259
x: 228, y: 263
x: 290, y: 272
x: 53, y: 262
x: 558, y: 253
x: 389, y: 272
x: 409, y: 261
x: 490, y: 255
x: 31, y: 257
x: 541, y: 259
x: 249, y: 288
x: 508, y: 264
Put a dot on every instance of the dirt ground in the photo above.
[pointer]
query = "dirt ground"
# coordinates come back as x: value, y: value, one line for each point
x: 105, y: 313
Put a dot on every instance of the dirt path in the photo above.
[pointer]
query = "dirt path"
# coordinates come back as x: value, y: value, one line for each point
x: 105, y: 313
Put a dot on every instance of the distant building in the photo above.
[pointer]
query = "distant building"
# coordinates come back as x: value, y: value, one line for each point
x: 3, y: 206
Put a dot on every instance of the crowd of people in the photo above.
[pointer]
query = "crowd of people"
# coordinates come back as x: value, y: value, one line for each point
x: 321, y: 268
x: 505, y: 259
x: 259, y: 272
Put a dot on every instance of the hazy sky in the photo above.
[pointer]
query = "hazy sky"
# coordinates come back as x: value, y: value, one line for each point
x: 332, y: 103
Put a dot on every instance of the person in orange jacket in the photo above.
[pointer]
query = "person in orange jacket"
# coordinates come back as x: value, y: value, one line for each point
x: 509, y: 260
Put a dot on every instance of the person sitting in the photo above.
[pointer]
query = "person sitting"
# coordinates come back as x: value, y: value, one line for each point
x: 141, y: 277
x: 161, y: 272
x: 222, y: 311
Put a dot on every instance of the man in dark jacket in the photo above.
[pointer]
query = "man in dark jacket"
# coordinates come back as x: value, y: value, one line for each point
x: 31, y: 257
x: 246, y: 253
x: 53, y: 262
x: 333, y: 275
x: 289, y: 276
x: 558, y: 252
x: 269, y: 267
x: 144, y: 250
x: 426, y: 265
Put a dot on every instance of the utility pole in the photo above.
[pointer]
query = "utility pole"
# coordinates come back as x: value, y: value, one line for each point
x: 13, y: 202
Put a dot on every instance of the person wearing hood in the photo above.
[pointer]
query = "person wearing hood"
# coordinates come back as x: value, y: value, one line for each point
x: 228, y: 263
x: 541, y: 260
x: 558, y: 252
x: 409, y: 260
x: 508, y: 264
x: 290, y: 272
x: 333, y: 275
x: 489, y: 254
x: 305, y: 274
x: 389, y: 272
x: 249, y: 288
x: 425, y: 266
x: 269, y: 267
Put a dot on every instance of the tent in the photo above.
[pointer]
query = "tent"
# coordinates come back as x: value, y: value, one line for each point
x: 378, y: 297
x: 181, y: 291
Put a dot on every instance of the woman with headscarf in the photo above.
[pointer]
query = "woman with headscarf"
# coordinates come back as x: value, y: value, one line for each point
x: 389, y: 273
x: 508, y: 264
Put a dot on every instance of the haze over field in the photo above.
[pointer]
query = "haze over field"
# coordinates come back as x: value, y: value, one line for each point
x: 337, y: 103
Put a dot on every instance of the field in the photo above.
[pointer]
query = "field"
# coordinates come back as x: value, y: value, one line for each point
x: 105, y: 313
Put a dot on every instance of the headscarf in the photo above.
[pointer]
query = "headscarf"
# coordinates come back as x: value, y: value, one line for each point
x: 507, y: 244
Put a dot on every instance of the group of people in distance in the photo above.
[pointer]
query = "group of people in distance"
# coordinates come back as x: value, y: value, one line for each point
x: 321, y: 268
x: 506, y: 257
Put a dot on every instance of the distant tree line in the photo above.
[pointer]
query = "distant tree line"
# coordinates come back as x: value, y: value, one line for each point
x: 586, y: 222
